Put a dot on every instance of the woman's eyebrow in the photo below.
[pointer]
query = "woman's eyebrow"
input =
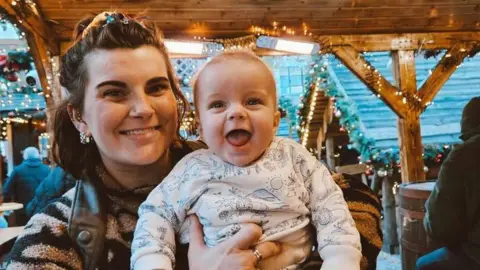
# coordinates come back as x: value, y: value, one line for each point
x: 112, y: 83
x: 157, y: 80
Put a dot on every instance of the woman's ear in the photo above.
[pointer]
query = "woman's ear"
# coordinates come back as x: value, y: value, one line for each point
x: 76, y: 118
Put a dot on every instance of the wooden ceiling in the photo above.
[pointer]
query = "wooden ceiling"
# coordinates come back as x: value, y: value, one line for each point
x: 232, y: 18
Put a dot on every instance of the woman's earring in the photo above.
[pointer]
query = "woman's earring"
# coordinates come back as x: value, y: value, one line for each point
x: 84, y: 138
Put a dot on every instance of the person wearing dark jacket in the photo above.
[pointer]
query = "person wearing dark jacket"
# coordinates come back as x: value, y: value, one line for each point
x: 51, y: 189
x: 23, y: 181
x: 453, y: 209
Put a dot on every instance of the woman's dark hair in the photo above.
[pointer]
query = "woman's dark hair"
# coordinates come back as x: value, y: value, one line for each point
x: 107, y: 30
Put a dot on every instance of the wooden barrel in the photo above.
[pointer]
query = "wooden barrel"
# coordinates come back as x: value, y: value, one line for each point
x: 414, y: 240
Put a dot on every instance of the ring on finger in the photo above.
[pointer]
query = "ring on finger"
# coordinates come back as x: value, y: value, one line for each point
x: 258, y: 255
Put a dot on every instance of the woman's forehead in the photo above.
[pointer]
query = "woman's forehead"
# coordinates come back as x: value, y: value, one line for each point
x: 127, y: 64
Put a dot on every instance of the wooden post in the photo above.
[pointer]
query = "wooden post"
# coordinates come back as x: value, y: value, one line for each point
x: 376, y: 182
x: 410, y: 139
x: 330, y: 153
x: 10, y: 163
x: 320, y: 139
x: 29, y: 20
x: 41, y: 58
x: 390, y: 237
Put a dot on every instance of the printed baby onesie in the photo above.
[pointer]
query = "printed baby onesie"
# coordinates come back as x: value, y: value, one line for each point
x: 285, y: 190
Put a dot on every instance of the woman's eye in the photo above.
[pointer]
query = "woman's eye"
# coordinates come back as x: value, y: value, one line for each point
x: 216, y: 105
x: 158, y: 88
x: 254, y: 101
x: 114, y: 93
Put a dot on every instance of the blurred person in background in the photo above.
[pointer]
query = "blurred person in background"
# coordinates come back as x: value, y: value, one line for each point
x: 50, y: 190
x: 453, y: 209
x: 23, y: 181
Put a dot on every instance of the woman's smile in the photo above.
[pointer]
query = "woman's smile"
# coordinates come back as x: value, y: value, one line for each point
x: 142, y: 134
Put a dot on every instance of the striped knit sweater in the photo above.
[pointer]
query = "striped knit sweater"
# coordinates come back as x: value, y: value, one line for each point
x: 45, y: 243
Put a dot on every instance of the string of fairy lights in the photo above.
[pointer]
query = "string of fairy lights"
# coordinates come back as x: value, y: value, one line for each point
x: 375, y: 82
x: 375, y: 79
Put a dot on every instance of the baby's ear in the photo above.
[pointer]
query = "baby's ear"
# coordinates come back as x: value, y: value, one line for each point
x: 276, y: 120
x: 199, y: 126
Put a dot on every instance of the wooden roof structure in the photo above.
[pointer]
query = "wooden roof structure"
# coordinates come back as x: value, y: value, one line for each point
x: 440, y: 123
x: 342, y: 27
x: 233, y: 18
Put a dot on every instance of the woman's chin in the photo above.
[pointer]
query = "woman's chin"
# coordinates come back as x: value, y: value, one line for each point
x: 142, y: 156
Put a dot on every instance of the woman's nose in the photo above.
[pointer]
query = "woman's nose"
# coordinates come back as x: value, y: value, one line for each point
x: 142, y: 107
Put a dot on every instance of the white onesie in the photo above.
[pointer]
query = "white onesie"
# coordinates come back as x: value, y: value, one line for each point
x: 285, y: 190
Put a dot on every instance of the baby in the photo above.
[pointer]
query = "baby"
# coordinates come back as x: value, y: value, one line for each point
x: 247, y: 175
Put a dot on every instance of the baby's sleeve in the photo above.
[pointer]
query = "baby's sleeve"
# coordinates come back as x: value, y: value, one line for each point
x: 337, y: 236
x: 160, y: 217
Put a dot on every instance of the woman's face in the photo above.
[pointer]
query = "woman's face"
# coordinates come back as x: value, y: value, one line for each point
x: 129, y: 107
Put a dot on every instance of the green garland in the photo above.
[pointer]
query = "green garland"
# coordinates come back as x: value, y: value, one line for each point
x: 10, y: 65
x: 287, y: 106
x: 386, y: 159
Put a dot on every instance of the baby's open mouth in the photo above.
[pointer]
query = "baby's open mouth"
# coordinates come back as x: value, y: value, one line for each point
x: 238, y: 137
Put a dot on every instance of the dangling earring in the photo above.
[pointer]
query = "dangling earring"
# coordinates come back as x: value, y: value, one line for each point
x: 84, y: 138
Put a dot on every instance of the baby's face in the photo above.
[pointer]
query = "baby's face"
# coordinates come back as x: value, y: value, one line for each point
x: 237, y: 110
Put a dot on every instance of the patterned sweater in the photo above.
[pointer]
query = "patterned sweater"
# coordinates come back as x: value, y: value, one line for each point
x: 45, y: 243
x: 283, y: 191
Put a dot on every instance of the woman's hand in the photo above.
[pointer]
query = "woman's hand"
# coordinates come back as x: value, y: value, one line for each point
x: 232, y: 254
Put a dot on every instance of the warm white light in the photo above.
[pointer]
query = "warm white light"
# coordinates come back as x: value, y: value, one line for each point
x: 279, y: 44
x: 294, y: 46
x: 181, y: 47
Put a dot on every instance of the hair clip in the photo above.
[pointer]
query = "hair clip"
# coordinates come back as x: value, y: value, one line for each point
x: 105, y: 18
x: 109, y: 18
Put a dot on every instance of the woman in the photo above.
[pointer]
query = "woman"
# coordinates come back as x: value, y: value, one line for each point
x: 118, y: 131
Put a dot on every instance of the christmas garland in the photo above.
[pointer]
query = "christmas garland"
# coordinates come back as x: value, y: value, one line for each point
x: 381, y: 160
x: 10, y: 65
x: 288, y: 110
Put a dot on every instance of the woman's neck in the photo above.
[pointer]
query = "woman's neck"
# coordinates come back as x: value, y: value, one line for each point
x: 129, y: 177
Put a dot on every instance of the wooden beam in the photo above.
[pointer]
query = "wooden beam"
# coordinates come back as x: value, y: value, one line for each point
x: 29, y: 20
x: 235, y: 11
x: 388, y: 42
x: 352, y: 59
x: 269, y: 4
x: 410, y: 138
x: 330, y: 153
x: 444, y: 69
x: 42, y: 64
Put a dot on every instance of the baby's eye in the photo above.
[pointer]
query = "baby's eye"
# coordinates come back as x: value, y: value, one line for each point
x: 254, y: 101
x: 216, y: 105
